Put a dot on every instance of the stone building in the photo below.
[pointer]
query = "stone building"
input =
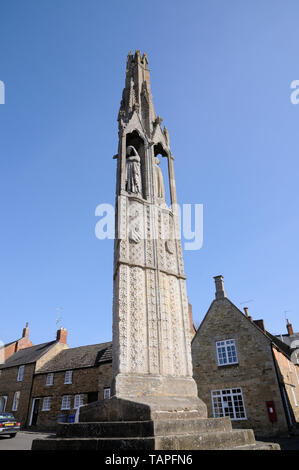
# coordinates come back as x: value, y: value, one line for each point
x: 240, y: 370
x: 74, y: 377
x: 14, y: 346
x: 17, y: 372
x: 292, y: 340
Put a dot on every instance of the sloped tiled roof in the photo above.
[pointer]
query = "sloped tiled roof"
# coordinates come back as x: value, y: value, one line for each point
x: 282, y: 346
x: 27, y: 355
x: 77, y: 358
x: 288, y: 339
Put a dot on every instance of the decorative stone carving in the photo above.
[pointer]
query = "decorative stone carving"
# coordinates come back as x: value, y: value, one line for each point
x: 159, y: 179
x: 152, y: 348
x: 169, y: 244
x: 133, y: 177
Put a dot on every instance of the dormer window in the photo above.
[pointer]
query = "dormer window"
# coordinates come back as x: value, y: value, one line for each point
x: 226, y: 352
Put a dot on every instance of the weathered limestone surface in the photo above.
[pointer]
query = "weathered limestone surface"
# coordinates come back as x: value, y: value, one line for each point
x: 254, y: 373
x: 155, y: 404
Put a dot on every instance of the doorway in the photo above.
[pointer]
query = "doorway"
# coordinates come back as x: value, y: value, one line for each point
x: 34, y: 411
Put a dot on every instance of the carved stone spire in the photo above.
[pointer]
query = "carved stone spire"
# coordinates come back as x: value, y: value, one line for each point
x: 137, y: 96
x: 151, y: 338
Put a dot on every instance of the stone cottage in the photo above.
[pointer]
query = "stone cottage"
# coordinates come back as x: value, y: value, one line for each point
x: 17, y: 372
x: 11, y: 348
x: 74, y: 377
x: 244, y: 372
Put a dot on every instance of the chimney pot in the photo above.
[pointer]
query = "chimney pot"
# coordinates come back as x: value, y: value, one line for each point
x: 25, y: 333
x: 260, y: 324
x: 289, y: 328
x: 246, y: 311
x: 220, y: 292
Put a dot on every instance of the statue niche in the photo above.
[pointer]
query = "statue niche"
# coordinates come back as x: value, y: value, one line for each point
x: 133, y: 171
x: 159, y: 179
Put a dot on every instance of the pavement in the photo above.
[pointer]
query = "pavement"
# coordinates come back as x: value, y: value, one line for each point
x: 22, y: 441
x: 286, y: 443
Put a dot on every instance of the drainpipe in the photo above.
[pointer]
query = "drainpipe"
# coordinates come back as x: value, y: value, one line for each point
x: 30, y: 398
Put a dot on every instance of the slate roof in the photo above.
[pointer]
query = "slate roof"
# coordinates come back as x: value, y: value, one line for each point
x: 77, y: 358
x: 27, y: 355
x: 288, y: 339
x: 282, y: 346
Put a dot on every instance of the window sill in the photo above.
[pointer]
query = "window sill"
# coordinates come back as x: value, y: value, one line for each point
x: 236, y: 364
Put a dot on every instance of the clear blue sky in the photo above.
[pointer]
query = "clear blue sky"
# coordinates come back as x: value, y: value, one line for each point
x: 220, y: 76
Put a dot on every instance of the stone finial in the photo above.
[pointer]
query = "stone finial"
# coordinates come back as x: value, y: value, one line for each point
x: 137, y: 55
x: 144, y: 59
x: 220, y: 292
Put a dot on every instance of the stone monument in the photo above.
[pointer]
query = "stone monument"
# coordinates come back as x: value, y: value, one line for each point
x: 154, y: 402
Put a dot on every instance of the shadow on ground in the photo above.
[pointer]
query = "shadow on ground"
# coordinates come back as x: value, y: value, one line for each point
x: 286, y: 443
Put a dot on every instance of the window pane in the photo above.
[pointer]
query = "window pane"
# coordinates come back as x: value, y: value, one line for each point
x: 228, y: 402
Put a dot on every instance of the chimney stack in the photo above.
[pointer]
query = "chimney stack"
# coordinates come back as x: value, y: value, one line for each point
x: 289, y: 328
x: 25, y: 331
x: 62, y: 335
x: 247, y: 314
x: 260, y: 324
x: 220, y: 292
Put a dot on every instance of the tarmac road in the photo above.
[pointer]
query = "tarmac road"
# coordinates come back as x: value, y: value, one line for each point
x: 22, y: 441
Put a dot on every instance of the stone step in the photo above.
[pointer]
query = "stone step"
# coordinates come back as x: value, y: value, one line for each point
x: 143, y: 428
x: 199, y: 441
x: 258, y: 446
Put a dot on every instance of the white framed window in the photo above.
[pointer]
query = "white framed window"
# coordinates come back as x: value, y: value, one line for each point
x: 3, y: 401
x: 78, y: 401
x: 297, y: 375
x: 294, y: 396
x: 107, y: 393
x: 228, y: 402
x: 16, y: 399
x: 68, y: 377
x: 50, y: 379
x: 46, y: 404
x: 20, y: 373
x: 66, y: 402
x: 226, y: 352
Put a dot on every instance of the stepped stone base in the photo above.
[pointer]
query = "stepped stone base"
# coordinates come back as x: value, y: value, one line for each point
x: 149, y: 423
x: 144, y: 408
x: 159, y: 434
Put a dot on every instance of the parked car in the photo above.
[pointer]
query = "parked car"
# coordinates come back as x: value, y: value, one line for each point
x: 8, y: 424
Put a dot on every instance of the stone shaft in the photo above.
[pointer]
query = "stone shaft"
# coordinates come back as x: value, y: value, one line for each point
x: 151, y: 337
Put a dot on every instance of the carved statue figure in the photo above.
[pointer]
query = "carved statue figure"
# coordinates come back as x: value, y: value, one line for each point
x: 159, y: 179
x: 133, y: 176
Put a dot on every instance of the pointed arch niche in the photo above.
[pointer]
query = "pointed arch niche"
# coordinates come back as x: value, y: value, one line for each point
x: 161, y: 153
x: 134, y: 139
